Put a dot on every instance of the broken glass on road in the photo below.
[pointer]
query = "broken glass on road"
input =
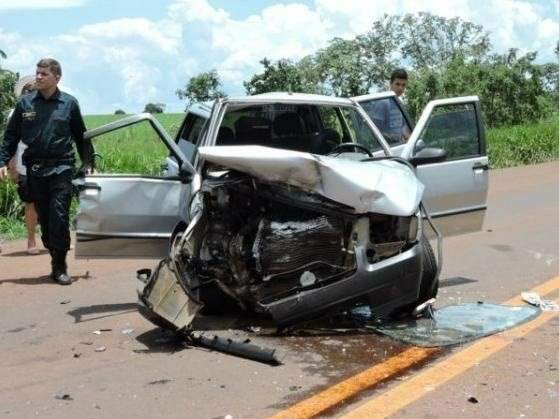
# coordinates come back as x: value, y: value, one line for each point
x: 452, y: 325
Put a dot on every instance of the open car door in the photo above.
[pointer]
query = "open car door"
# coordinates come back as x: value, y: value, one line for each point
x: 123, y: 216
x: 455, y: 188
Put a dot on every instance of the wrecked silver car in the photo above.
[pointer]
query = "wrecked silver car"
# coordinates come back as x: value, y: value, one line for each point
x: 293, y: 206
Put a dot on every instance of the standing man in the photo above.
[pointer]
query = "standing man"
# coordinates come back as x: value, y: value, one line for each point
x: 49, y: 122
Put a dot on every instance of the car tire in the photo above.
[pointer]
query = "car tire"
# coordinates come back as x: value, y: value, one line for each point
x: 429, y: 278
x: 429, y: 286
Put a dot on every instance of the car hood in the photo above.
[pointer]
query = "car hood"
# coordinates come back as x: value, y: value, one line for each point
x: 385, y: 187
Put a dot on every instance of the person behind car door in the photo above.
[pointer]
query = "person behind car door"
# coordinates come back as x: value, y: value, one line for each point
x: 398, y: 84
x: 49, y: 122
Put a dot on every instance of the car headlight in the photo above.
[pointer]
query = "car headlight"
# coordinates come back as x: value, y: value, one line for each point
x: 413, y: 229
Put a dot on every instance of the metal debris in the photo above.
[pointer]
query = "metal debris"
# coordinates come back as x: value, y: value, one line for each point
x: 238, y: 348
x: 65, y: 301
x: 101, y: 349
x: 534, y: 299
x: 98, y: 332
x: 162, y: 381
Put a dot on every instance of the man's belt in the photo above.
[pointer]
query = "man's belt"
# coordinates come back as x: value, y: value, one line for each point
x: 37, y: 164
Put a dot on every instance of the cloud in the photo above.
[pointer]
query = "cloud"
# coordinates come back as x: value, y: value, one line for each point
x: 130, y: 61
x: 40, y: 4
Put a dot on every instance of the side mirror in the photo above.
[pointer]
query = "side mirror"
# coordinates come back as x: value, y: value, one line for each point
x: 428, y: 155
x: 419, y: 145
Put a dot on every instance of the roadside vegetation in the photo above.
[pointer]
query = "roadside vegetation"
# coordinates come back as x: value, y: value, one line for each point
x: 444, y: 58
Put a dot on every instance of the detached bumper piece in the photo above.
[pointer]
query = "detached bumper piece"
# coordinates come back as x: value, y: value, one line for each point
x: 385, y: 285
x: 165, y: 302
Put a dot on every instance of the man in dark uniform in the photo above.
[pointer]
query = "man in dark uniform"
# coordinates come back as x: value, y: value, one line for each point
x: 49, y: 122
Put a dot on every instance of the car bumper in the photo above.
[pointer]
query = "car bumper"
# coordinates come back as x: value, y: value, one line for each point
x: 385, y: 285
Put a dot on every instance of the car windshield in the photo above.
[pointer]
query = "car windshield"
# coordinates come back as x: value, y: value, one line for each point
x: 316, y: 129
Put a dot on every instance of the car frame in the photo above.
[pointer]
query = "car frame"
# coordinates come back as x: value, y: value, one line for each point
x: 455, y: 201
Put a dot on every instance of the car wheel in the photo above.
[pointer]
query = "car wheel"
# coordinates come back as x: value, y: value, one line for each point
x: 429, y: 279
x: 429, y: 286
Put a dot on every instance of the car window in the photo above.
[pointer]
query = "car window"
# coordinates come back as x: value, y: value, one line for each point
x: 190, y: 133
x: 358, y: 129
x: 454, y: 129
x: 331, y: 120
x: 192, y: 128
x: 288, y: 126
x: 387, y: 115
x: 136, y: 149
x: 300, y: 127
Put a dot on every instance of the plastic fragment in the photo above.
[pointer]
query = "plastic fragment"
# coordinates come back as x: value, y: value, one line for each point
x: 534, y: 299
x: 101, y: 349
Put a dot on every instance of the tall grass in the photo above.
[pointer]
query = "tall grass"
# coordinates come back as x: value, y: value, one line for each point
x: 524, y: 144
x: 136, y: 149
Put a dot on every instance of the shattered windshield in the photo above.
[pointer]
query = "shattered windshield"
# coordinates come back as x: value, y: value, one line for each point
x: 316, y: 129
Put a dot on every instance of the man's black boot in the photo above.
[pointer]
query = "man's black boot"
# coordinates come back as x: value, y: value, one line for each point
x: 59, y: 273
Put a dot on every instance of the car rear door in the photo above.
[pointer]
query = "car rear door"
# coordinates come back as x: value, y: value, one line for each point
x: 131, y: 215
x: 456, y: 188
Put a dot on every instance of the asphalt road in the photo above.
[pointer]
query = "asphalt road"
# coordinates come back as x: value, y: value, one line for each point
x: 133, y: 369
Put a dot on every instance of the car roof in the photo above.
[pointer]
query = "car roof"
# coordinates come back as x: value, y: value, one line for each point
x: 287, y: 97
x: 204, y: 108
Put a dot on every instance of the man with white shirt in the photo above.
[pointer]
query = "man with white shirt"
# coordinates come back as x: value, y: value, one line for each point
x: 18, y: 173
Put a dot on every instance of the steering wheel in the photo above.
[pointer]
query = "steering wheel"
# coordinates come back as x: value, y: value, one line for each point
x: 354, y: 146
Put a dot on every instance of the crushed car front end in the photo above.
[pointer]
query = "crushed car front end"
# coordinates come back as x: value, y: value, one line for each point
x: 292, y: 244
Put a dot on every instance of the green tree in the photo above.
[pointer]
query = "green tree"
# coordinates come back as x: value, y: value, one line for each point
x: 202, y: 87
x: 428, y: 41
x: 7, y: 97
x: 154, y: 108
x: 550, y: 77
x: 120, y: 112
x: 510, y: 87
x: 284, y: 75
x: 341, y: 67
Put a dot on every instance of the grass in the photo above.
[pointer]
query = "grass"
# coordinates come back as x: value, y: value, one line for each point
x: 137, y: 149
x: 524, y: 144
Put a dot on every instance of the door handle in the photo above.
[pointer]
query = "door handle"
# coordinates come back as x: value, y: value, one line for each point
x: 480, y: 166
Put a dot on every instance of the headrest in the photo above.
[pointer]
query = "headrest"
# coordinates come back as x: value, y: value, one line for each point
x: 250, y: 129
x: 288, y: 124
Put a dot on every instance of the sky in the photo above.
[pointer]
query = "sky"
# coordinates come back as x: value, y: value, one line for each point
x: 122, y: 54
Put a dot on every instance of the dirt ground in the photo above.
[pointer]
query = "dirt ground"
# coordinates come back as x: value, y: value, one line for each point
x: 84, y: 351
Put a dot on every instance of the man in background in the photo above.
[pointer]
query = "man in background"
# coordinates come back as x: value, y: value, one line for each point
x: 49, y: 122
x: 399, y: 82
x: 18, y: 173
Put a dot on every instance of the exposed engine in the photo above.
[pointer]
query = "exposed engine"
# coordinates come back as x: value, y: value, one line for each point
x: 256, y: 242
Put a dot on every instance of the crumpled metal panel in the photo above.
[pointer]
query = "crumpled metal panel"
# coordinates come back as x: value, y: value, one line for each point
x: 384, y: 187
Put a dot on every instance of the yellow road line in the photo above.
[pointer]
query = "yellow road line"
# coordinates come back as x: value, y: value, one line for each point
x: 395, y: 399
x: 338, y: 393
